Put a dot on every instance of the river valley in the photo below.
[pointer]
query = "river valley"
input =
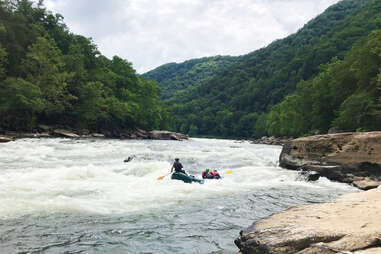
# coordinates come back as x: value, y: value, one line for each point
x: 78, y: 196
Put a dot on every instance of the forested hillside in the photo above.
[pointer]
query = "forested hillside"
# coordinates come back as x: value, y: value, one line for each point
x: 173, y: 77
x: 236, y: 101
x: 345, y: 94
x: 49, y: 75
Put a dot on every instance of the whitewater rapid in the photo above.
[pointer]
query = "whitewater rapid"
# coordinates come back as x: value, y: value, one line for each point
x: 48, y: 178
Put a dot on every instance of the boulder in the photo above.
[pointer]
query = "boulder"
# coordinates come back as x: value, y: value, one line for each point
x: 309, y: 176
x: 349, y: 225
x: 33, y: 135
x: 97, y: 135
x: 65, y: 133
x: 141, y: 134
x: 341, y: 157
x: 167, y: 135
x: 5, y: 139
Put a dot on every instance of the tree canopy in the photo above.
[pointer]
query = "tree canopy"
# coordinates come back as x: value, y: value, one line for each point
x: 50, y: 75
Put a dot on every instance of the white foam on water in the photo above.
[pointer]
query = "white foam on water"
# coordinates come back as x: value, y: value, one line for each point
x: 61, y: 175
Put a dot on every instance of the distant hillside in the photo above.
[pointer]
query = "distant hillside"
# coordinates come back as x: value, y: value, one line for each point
x: 235, y: 101
x: 173, y: 77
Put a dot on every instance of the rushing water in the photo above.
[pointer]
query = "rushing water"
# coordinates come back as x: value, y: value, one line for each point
x: 78, y: 196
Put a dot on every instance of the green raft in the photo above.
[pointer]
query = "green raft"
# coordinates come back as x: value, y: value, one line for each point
x: 186, y: 178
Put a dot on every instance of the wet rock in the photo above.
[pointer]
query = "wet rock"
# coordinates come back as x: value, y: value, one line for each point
x: 5, y: 139
x: 34, y: 135
x: 141, y: 134
x: 167, y: 135
x: 65, y: 133
x: 343, y: 157
x: 309, y: 176
x: 348, y: 225
x: 130, y: 158
x: 97, y: 135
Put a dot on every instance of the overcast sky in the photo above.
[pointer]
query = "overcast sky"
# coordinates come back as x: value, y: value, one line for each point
x: 150, y: 33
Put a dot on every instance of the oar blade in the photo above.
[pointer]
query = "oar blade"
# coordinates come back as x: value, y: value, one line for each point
x: 160, y: 178
x: 229, y: 172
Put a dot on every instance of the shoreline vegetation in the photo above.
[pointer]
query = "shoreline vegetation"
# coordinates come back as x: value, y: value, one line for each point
x: 50, y: 76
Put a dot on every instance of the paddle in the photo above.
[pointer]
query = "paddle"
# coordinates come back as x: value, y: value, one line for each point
x: 162, y: 177
x: 229, y: 172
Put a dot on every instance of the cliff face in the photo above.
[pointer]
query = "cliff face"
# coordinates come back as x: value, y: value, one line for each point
x: 348, y: 225
x: 346, y: 157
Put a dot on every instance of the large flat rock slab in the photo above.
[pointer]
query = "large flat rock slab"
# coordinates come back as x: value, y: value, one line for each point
x: 351, y: 225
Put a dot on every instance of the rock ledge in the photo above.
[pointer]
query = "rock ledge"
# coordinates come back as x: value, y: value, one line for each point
x: 349, y: 225
x: 353, y: 158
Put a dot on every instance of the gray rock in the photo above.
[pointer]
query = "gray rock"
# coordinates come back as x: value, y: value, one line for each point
x: 65, y: 133
x: 167, y: 135
x: 350, y: 224
x: 339, y: 157
x: 5, y: 139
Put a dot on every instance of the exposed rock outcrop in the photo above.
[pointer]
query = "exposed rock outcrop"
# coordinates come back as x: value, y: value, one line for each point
x: 167, y: 135
x: 350, y: 225
x: 5, y: 139
x: 353, y: 158
x: 65, y: 133
x: 270, y: 141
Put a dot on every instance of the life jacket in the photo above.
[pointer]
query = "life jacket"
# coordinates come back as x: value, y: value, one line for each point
x: 216, y: 175
x: 178, y: 166
x: 207, y: 174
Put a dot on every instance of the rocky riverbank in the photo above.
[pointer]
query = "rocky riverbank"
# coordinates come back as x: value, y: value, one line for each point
x: 350, y: 225
x: 270, y: 141
x: 44, y: 131
x: 353, y: 158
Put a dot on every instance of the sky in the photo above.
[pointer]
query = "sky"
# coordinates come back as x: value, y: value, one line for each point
x: 150, y: 33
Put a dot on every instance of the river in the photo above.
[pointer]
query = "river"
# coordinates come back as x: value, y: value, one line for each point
x: 78, y: 196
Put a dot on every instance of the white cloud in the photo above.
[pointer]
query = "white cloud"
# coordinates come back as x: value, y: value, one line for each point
x: 149, y: 33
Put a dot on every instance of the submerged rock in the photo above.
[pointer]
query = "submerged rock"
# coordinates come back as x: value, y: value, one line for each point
x: 309, y: 176
x: 349, y: 225
x: 346, y: 157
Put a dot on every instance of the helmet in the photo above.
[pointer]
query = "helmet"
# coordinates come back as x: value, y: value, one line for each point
x: 177, y: 159
x: 207, y: 169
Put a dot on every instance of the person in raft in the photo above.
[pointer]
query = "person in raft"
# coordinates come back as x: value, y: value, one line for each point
x: 210, y: 174
x: 216, y: 174
x: 178, y: 167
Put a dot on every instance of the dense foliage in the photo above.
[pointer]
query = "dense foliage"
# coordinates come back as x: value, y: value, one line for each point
x: 345, y: 94
x: 49, y: 75
x: 174, y: 77
x: 236, y: 101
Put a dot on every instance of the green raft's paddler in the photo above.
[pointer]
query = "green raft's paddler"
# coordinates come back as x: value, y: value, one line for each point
x: 178, y: 167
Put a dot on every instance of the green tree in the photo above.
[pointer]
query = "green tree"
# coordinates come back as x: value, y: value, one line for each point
x: 3, y: 62
x: 43, y: 66
x: 20, y: 100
